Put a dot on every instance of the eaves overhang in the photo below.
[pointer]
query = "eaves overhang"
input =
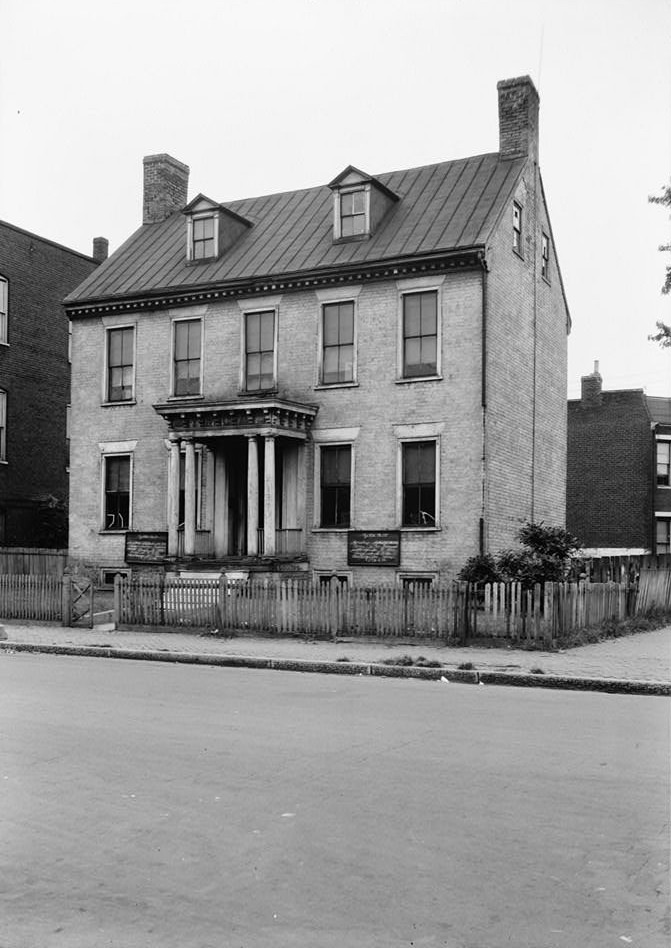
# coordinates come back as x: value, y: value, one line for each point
x: 369, y: 272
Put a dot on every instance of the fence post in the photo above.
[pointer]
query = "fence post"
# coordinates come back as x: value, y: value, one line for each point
x: 66, y: 600
x: 116, y: 606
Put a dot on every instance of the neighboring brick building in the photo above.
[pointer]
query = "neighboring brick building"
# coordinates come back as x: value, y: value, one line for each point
x: 35, y: 276
x: 365, y: 378
x: 619, y: 470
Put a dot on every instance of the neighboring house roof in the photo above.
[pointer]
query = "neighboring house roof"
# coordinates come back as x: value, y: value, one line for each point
x: 5, y: 225
x: 660, y: 409
x: 451, y: 206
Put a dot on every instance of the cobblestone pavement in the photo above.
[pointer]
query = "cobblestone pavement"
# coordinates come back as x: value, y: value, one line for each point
x: 645, y: 656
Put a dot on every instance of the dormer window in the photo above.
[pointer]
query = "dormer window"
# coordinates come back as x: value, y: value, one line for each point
x: 211, y: 229
x: 359, y: 204
x: 204, y: 237
x: 354, y: 212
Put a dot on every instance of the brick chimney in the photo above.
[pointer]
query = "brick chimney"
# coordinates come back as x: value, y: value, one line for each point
x: 166, y: 182
x: 518, y: 118
x: 590, y: 389
x: 101, y: 249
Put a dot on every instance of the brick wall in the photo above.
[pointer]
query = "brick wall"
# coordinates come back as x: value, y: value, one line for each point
x: 375, y: 405
x: 35, y: 373
x: 526, y: 379
x: 609, y: 471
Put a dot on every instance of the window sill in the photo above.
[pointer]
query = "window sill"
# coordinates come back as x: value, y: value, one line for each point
x: 3, y: 343
x: 126, y: 401
x: 518, y: 253
x: 436, y: 529
x: 331, y: 529
x: 323, y: 386
x: 545, y: 280
x: 4, y: 461
x: 192, y: 262
x: 185, y: 398
x: 258, y: 392
x: 419, y: 378
x: 352, y: 238
x: 113, y: 533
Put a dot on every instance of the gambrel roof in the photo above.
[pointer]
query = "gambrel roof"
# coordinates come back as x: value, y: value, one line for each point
x: 447, y: 207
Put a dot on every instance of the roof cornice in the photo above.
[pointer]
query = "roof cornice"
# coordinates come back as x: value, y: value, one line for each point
x: 393, y: 268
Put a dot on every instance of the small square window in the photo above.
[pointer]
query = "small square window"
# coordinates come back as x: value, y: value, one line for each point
x: 107, y: 577
x: 517, y: 228
x: 545, y: 257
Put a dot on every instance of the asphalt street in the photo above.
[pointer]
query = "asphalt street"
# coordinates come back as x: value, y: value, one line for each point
x: 148, y: 804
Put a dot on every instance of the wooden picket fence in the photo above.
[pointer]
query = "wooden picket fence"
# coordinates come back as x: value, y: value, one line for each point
x: 291, y: 608
x: 31, y: 597
x: 454, y: 613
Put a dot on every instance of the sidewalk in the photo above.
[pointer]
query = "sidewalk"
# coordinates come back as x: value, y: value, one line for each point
x: 644, y: 658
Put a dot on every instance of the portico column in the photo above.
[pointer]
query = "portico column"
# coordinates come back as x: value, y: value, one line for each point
x: 190, y: 498
x: 269, y: 496
x: 173, y: 496
x: 252, y: 496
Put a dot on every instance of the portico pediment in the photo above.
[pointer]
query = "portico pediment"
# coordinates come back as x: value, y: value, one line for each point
x: 265, y: 416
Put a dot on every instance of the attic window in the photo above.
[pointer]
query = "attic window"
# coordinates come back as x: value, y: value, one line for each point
x: 353, y: 212
x: 203, y: 236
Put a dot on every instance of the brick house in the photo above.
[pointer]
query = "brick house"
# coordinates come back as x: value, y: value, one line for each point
x: 35, y: 276
x: 364, y: 379
x: 619, y: 470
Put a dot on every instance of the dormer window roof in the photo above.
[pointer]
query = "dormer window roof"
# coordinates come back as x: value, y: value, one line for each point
x: 359, y: 204
x: 211, y: 229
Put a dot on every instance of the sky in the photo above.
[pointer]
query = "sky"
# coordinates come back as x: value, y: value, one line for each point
x: 259, y: 96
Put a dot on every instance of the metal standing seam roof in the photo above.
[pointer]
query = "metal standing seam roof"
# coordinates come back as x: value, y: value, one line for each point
x: 442, y: 207
x: 659, y: 408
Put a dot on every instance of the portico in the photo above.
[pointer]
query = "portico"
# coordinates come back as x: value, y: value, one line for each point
x: 236, y: 477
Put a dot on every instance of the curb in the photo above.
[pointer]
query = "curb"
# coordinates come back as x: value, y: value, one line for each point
x: 510, y: 679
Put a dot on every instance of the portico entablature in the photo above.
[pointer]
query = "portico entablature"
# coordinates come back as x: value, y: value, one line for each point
x: 266, y: 417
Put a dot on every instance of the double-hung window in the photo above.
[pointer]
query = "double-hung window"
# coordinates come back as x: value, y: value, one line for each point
x: 187, y: 356
x: 545, y: 257
x: 116, y: 479
x: 517, y: 228
x: 4, y: 308
x: 337, y: 343
x: 664, y: 463
x: 120, y: 364
x: 203, y: 238
x: 3, y: 426
x: 418, y: 483
x: 353, y: 213
x: 259, y: 351
x: 420, y: 334
x: 663, y: 537
x: 335, y: 485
